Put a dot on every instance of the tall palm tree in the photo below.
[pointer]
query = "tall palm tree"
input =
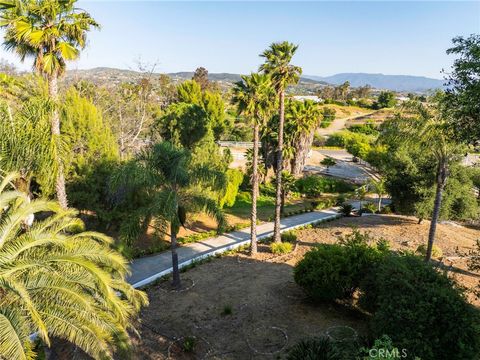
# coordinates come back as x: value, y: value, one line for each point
x: 254, y: 96
x: 277, y: 64
x: 379, y: 188
x: 428, y: 126
x: 174, y: 188
x: 52, y: 32
x: 57, y: 280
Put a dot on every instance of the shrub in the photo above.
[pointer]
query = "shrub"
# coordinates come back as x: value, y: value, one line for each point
x: 318, y: 140
x: 340, y: 200
x: 281, y: 248
x: 421, y: 309
x: 227, y: 310
x: 234, y: 180
x: 436, y: 251
x: 289, y: 236
x: 314, y: 185
x: 383, y: 349
x: 317, y: 348
x: 346, y: 209
x: 370, y: 208
x: 189, y: 344
x: 386, y: 210
x: 334, y: 272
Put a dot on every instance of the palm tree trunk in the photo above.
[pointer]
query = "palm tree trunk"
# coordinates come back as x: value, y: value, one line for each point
x: 441, y: 180
x: 379, y: 202
x: 55, y: 129
x: 278, y: 198
x: 173, y: 248
x: 253, y: 219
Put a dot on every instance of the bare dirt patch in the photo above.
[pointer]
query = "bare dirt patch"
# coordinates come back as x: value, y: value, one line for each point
x: 265, y: 303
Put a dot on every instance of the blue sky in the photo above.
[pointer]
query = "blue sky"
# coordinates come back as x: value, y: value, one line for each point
x: 224, y: 36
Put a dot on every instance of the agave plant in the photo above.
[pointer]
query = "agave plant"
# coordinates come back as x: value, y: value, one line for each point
x: 57, y: 280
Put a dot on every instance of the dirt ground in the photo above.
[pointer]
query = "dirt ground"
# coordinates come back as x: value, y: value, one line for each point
x: 268, y: 311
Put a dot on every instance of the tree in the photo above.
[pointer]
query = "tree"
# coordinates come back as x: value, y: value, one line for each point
x: 328, y: 161
x: 277, y: 64
x: 59, y: 281
x: 378, y: 187
x: 175, y: 188
x: 254, y: 98
x: 386, y: 99
x: 463, y: 88
x: 301, y: 120
x: 201, y: 77
x: 189, y: 92
x: 361, y: 194
x: 426, y: 127
x: 52, y: 32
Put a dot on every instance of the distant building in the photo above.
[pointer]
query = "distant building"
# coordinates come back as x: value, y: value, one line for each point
x: 307, y: 97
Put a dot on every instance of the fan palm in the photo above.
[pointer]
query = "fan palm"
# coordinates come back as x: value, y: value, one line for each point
x: 174, y: 188
x: 254, y: 96
x: 58, y: 281
x: 277, y: 64
x: 52, y: 32
x: 303, y: 117
x: 428, y: 127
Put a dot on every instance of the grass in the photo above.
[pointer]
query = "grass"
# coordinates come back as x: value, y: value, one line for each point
x: 281, y: 248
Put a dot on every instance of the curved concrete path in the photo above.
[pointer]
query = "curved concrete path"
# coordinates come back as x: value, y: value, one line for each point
x: 147, y: 269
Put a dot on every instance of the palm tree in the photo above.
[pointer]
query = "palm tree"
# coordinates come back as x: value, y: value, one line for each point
x: 302, y: 118
x: 428, y: 126
x: 277, y: 64
x: 52, y: 32
x: 174, y: 187
x: 57, y: 280
x: 378, y: 187
x: 254, y: 98
x: 361, y: 194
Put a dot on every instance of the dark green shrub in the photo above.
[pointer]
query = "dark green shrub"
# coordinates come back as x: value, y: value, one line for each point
x: 189, y: 344
x: 421, y: 309
x: 334, y: 272
x: 227, y: 310
x: 340, y: 200
x: 346, y: 209
x: 317, y: 348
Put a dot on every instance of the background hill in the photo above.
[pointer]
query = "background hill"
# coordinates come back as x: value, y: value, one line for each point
x: 381, y: 81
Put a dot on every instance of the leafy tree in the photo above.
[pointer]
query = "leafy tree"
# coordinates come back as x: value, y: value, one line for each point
x: 463, y: 89
x: 189, y: 92
x: 215, y: 109
x: 253, y: 96
x: 386, y: 99
x: 59, y: 281
x: 52, y: 32
x: 200, y: 76
x: 175, y: 188
x: 184, y: 124
x: 277, y: 64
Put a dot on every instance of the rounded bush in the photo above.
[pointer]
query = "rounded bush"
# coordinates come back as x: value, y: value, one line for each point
x: 436, y: 251
x: 317, y: 348
x: 334, y: 272
x: 420, y: 309
x: 281, y: 248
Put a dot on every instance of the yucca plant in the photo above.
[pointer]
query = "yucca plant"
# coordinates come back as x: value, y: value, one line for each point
x: 57, y: 280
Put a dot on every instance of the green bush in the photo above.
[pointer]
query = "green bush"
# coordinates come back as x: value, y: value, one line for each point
x: 334, y: 272
x: 289, y: 236
x: 383, y: 349
x: 421, y: 309
x: 314, y: 185
x: 234, y: 180
x: 346, y: 209
x: 369, y: 128
x: 281, y: 248
x: 436, y: 251
x: 370, y: 208
x: 317, y: 348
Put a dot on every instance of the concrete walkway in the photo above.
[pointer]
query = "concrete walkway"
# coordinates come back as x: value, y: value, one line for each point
x: 147, y: 269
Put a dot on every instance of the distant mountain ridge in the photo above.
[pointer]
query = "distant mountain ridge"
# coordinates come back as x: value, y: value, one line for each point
x: 308, y: 82
x: 381, y: 81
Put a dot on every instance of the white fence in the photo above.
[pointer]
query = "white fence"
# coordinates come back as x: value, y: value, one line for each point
x: 236, y: 144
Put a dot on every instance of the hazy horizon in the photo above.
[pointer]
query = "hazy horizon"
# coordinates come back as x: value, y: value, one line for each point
x: 390, y: 38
